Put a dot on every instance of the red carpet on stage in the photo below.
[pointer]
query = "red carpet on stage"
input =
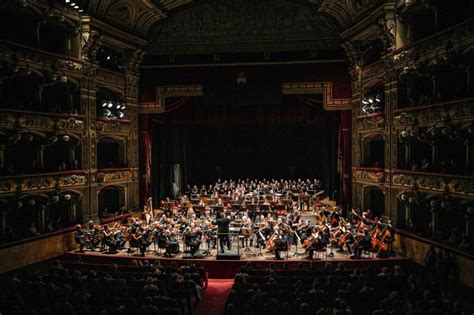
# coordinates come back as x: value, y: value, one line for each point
x: 214, y: 297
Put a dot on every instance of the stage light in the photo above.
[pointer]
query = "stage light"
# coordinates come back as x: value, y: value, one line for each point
x: 111, y: 105
x: 371, y: 100
x: 108, y: 57
x: 73, y: 4
x: 364, y: 101
x: 80, y: 10
x: 121, y: 114
x: 118, y: 106
x: 67, y: 197
x: 76, y: 7
x: 377, y: 99
x: 67, y: 1
x: 65, y: 138
x: 63, y: 79
x: 104, y: 104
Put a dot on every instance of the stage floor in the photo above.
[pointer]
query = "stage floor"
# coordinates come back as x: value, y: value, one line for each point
x: 245, y: 254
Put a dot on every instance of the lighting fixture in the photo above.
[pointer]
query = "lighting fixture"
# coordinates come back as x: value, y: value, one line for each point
x: 371, y: 100
x: 111, y: 105
x: 365, y: 102
x: 108, y: 57
x: 104, y: 104
x: 121, y: 114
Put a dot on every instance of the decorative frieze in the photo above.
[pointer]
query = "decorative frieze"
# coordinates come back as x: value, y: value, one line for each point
x: 114, y: 176
x: 370, y: 122
x: 41, y: 121
x: 436, y: 183
x: 25, y: 183
x: 115, y: 126
x: 110, y: 77
x: 455, y: 110
x: 376, y: 176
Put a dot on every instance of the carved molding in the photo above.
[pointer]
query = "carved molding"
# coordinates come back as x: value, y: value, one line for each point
x: 371, y: 176
x: 26, y: 183
x: 436, y: 183
x: 370, y: 123
x: 324, y: 88
x: 163, y: 92
x: 40, y: 121
x: 116, y: 126
x: 114, y: 176
x: 450, y: 111
x: 110, y: 78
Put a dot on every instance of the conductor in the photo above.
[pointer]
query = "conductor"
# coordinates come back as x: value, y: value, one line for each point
x: 223, y: 230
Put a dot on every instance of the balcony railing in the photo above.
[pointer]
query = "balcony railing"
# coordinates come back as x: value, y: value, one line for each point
x: 452, y: 110
x: 115, y: 175
x: 43, y: 121
x: 32, y: 182
x: 374, y: 175
x: 370, y: 121
x: 434, y: 182
x: 113, y: 125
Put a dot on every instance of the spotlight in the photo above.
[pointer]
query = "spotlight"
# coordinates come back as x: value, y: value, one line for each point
x: 76, y: 7
x: 104, y: 104
x: 118, y: 106
x: 371, y: 100
x: 65, y: 138
x: 73, y: 4
x: 63, y: 79
x: 67, y: 197
x: 80, y: 10
x: 364, y: 101
x: 67, y: 1
x: 121, y: 114
x: 377, y: 99
x: 108, y: 57
x: 110, y: 105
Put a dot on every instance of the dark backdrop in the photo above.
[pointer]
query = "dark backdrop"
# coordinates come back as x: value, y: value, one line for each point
x: 254, y: 148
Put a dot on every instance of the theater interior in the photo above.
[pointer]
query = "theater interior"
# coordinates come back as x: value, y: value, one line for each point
x: 236, y: 157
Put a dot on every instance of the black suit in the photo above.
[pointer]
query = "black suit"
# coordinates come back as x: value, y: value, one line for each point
x: 223, y: 232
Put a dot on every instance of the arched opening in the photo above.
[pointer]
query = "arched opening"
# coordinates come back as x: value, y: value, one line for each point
x: 109, y: 104
x: 22, y: 91
x: 22, y: 153
x: 111, y: 153
x: 64, y: 211
x: 111, y: 201
x: 374, y: 199
x: 61, y: 97
x: 62, y: 153
x: 373, y: 151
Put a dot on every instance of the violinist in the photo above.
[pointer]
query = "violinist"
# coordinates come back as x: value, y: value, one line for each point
x: 192, y: 239
x: 110, y: 240
x: 80, y: 237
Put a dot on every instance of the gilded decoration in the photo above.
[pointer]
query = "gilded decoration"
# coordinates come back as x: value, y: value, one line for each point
x: 455, y: 110
x: 244, y: 26
x: 324, y: 88
x: 371, y: 176
x: 437, y: 183
x: 43, y: 181
x: 113, y: 126
x: 41, y: 121
x: 114, y: 177
x: 370, y: 122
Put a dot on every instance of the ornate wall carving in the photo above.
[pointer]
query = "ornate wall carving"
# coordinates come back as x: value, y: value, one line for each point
x: 243, y: 26
x: 371, y: 176
x: 436, y: 183
x: 25, y: 183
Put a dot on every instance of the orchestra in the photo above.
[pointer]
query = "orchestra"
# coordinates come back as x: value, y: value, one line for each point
x: 264, y: 214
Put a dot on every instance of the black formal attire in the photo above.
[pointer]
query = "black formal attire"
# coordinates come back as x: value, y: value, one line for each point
x: 223, y: 232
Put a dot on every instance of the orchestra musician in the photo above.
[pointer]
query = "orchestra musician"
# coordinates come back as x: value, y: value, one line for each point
x: 314, y: 242
x: 360, y: 244
x: 223, y: 231
x: 109, y: 240
x: 192, y: 239
x: 81, y: 238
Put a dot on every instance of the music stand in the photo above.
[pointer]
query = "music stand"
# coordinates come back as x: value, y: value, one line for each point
x: 247, y: 233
